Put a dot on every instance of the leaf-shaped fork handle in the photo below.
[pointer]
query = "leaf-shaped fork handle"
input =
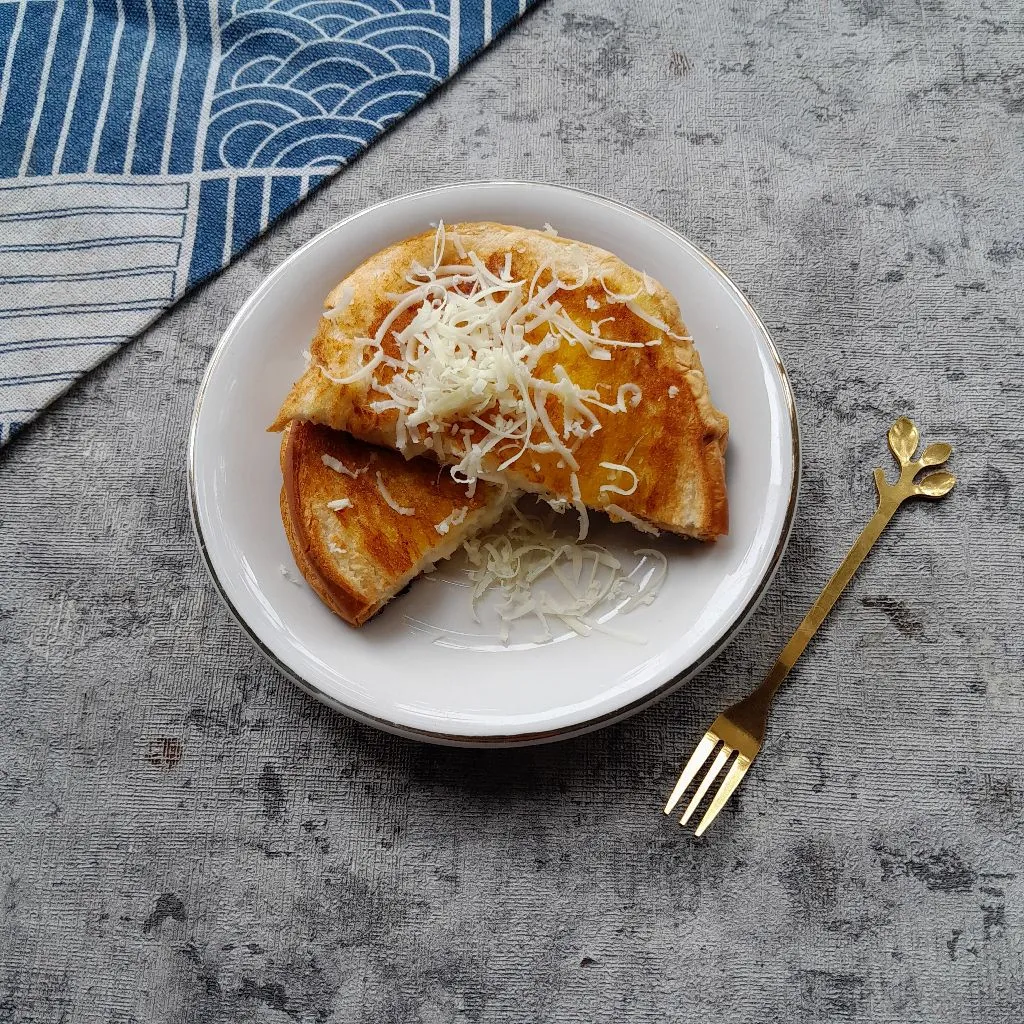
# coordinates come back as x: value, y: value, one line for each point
x: 904, y: 439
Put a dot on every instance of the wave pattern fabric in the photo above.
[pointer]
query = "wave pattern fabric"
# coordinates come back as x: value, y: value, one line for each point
x: 144, y: 143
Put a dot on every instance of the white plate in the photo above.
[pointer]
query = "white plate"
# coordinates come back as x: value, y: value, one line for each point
x: 467, y: 688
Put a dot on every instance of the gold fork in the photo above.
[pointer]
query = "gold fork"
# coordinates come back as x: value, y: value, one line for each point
x: 741, y: 728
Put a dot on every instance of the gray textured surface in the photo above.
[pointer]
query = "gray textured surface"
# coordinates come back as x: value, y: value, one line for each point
x: 185, y: 837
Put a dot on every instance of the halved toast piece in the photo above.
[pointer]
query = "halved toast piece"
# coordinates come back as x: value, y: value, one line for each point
x: 644, y: 441
x: 363, y: 522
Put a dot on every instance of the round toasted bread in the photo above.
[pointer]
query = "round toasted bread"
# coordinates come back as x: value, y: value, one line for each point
x: 674, y: 439
x: 362, y: 552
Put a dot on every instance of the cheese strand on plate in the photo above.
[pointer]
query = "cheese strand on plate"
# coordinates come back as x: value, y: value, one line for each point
x: 551, y: 579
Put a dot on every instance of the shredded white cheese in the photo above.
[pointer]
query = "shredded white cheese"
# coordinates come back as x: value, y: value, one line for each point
x: 540, y: 576
x: 673, y: 391
x: 549, y: 230
x: 335, y: 550
x: 345, y: 297
x: 617, y: 512
x: 457, y: 518
x: 466, y: 381
x: 288, y: 576
x: 339, y: 467
x: 577, y: 500
x: 470, y: 375
x: 402, y: 510
x: 339, y: 504
x: 615, y: 467
x: 655, y: 321
x: 647, y: 590
x: 620, y: 296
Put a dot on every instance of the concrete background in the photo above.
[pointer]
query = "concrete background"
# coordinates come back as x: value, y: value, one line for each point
x: 185, y: 837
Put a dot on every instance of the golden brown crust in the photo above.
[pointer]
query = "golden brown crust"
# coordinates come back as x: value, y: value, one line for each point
x: 358, y: 558
x: 675, y: 438
x: 340, y: 600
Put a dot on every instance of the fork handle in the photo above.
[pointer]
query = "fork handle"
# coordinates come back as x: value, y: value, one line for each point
x: 826, y: 600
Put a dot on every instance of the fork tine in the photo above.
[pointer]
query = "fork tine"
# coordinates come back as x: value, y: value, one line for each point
x: 697, y: 758
x: 732, y: 780
x: 716, y: 767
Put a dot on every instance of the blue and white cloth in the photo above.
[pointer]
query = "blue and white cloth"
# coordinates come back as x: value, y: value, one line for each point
x: 144, y: 143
